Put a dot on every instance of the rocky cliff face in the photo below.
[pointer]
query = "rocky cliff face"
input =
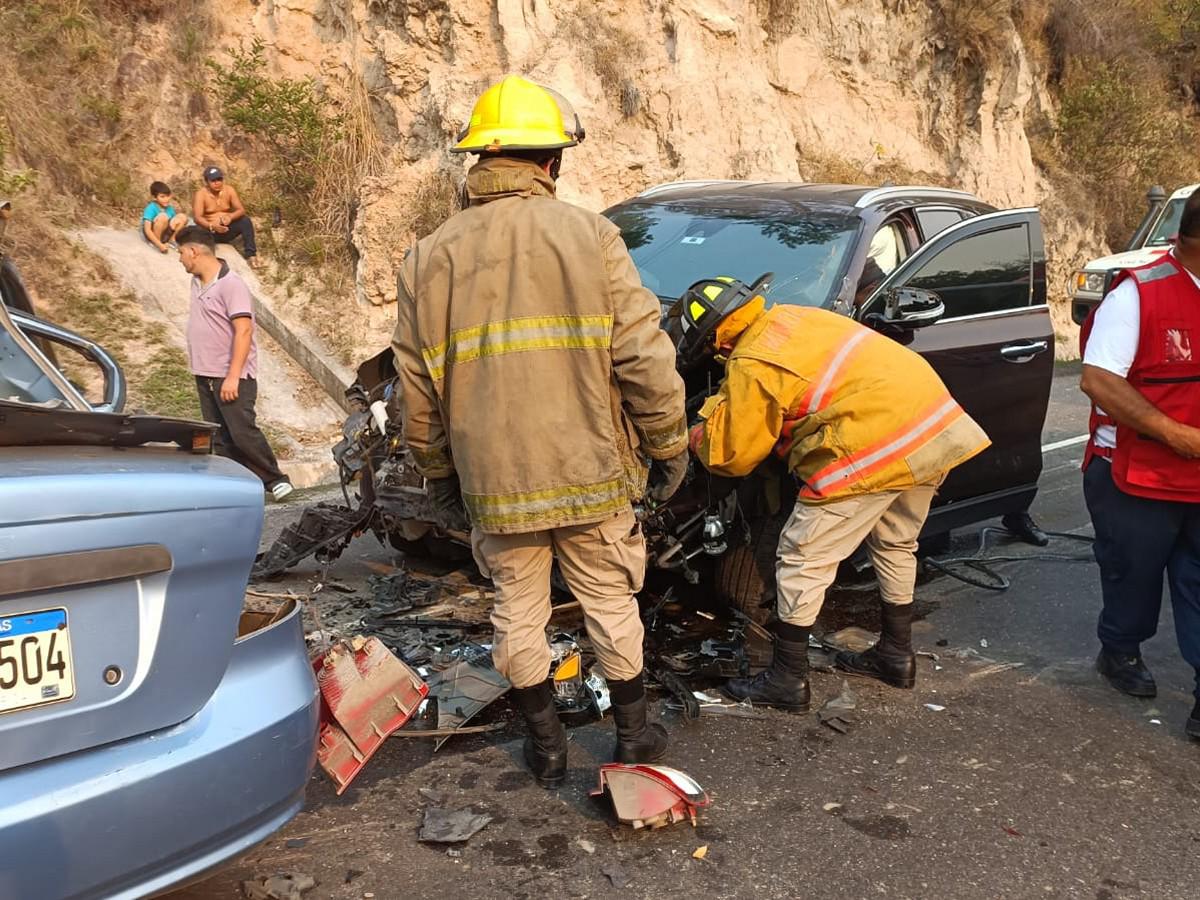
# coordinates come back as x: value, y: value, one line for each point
x: 796, y: 90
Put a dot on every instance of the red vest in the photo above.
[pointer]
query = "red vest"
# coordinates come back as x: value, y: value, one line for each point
x: 1166, y: 371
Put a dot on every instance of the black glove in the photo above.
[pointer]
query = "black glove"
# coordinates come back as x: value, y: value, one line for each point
x: 445, y: 496
x: 666, y: 475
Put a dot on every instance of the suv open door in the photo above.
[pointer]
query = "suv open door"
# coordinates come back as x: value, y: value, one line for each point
x: 994, y: 349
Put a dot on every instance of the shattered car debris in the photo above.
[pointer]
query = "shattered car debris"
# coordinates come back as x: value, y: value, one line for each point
x: 367, y: 693
x: 648, y: 796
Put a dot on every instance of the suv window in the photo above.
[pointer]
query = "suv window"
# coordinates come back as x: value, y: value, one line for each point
x: 935, y: 219
x: 984, y: 273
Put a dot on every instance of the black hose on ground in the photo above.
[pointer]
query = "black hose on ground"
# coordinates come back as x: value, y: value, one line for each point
x: 991, y: 580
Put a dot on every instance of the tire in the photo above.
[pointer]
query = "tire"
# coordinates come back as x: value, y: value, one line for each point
x: 746, y: 573
x: 431, y: 546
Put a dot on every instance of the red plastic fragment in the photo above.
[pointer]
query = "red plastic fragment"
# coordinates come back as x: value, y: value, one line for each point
x: 647, y: 796
x: 366, y: 694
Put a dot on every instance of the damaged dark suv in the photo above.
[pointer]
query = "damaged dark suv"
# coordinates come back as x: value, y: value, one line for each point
x: 977, y: 274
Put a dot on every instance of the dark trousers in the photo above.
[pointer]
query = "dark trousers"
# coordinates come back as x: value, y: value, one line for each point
x: 239, y: 438
x: 240, y: 228
x: 1137, y: 540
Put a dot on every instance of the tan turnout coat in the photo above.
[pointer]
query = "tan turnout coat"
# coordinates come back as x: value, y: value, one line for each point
x: 531, y: 360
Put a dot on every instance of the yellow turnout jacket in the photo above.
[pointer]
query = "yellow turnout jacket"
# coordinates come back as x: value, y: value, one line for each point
x: 530, y: 358
x: 850, y: 410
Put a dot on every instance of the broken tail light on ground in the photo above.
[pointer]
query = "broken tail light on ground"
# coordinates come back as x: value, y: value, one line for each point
x: 647, y: 796
x: 366, y: 695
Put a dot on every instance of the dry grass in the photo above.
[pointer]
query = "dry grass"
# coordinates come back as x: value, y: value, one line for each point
x: 874, y: 168
x: 778, y: 18
x: 975, y: 31
x: 612, y: 51
x: 346, y: 159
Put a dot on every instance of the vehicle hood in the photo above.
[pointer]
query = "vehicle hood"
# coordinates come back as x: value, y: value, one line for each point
x: 1126, y: 260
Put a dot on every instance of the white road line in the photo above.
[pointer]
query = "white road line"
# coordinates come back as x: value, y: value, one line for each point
x: 1069, y: 442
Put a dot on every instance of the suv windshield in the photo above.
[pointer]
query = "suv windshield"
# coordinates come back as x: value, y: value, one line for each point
x: 674, y: 244
x: 1167, y: 225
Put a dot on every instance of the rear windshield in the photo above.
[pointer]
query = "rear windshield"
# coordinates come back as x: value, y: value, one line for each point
x: 1167, y: 225
x: 676, y: 244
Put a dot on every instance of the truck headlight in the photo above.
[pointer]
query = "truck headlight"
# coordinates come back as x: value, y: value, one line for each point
x: 1092, y: 282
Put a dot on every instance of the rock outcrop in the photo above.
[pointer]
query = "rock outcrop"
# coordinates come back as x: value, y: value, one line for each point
x: 676, y: 89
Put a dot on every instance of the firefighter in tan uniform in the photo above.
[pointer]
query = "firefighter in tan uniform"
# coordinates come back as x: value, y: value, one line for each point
x: 869, y: 431
x: 535, y: 382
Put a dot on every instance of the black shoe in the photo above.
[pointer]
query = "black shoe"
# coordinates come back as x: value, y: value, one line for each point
x: 1023, y: 527
x: 1193, y: 723
x: 891, y: 660
x: 546, y: 746
x: 1127, y: 673
x: 784, y: 683
x: 638, y: 740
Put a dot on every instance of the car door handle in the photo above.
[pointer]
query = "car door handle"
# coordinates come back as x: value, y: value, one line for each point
x: 1019, y: 353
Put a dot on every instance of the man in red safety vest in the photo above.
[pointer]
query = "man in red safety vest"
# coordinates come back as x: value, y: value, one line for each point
x: 1141, y: 368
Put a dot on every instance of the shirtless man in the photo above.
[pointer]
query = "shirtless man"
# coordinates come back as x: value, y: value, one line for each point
x: 218, y: 208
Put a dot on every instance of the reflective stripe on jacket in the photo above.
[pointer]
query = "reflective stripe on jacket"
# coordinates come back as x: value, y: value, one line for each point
x: 849, y: 409
x: 531, y: 360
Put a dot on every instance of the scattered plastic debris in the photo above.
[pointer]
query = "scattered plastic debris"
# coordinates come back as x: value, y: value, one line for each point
x: 617, y: 875
x: 451, y: 826
x: 366, y: 694
x: 647, y: 796
x: 465, y: 688
x: 278, y: 887
x: 585, y: 845
x: 1011, y: 832
x: 983, y: 643
x: 711, y: 704
x: 1156, y: 721
x: 700, y: 852
x: 831, y: 807
x: 851, y: 638
x: 935, y: 707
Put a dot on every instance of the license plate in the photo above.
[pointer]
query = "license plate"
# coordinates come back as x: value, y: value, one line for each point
x: 35, y: 660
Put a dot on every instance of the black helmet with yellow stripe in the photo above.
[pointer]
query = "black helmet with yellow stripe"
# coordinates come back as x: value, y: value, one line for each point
x: 693, y: 321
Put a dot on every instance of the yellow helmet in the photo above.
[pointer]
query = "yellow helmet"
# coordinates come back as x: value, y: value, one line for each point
x: 517, y: 114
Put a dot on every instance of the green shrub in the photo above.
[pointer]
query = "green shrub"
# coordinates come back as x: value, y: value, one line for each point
x: 1120, y: 126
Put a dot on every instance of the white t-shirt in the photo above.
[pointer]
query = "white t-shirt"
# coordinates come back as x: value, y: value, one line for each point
x: 1113, y: 343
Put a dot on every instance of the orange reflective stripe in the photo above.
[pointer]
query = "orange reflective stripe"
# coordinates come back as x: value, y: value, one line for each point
x: 814, y: 397
x: 882, y: 454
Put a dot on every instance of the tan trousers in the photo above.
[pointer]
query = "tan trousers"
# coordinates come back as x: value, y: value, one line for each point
x: 818, y: 537
x: 603, y: 564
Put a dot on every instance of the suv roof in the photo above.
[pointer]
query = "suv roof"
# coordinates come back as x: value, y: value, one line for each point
x: 848, y: 195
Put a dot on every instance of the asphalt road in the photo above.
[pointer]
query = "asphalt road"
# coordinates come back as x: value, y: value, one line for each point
x: 1034, y: 780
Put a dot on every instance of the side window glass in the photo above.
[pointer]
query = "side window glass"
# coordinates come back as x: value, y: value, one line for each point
x: 984, y: 273
x: 933, y: 221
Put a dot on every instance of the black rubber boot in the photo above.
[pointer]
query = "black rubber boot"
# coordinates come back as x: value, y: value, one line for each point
x: 1193, y: 723
x: 891, y: 660
x: 1022, y: 525
x: 638, y: 740
x: 546, y: 746
x: 784, y: 683
x: 1127, y: 673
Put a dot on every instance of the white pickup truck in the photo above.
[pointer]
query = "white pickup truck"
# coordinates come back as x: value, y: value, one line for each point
x: 1152, y: 239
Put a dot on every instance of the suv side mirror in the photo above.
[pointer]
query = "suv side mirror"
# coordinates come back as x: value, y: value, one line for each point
x: 909, y: 307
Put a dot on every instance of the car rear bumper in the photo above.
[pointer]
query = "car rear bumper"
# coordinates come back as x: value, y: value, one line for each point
x: 138, y: 816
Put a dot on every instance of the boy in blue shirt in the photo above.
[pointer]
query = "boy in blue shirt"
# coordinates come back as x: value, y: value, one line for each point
x: 160, y: 221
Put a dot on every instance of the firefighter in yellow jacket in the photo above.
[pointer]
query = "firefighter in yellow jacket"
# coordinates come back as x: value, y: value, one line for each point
x: 535, y: 380
x: 869, y: 431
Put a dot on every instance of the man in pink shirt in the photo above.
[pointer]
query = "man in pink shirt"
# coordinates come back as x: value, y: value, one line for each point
x: 223, y: 356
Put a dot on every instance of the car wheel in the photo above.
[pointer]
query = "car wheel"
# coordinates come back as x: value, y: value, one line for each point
x: 746, y: 574
x: 430, y: 546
